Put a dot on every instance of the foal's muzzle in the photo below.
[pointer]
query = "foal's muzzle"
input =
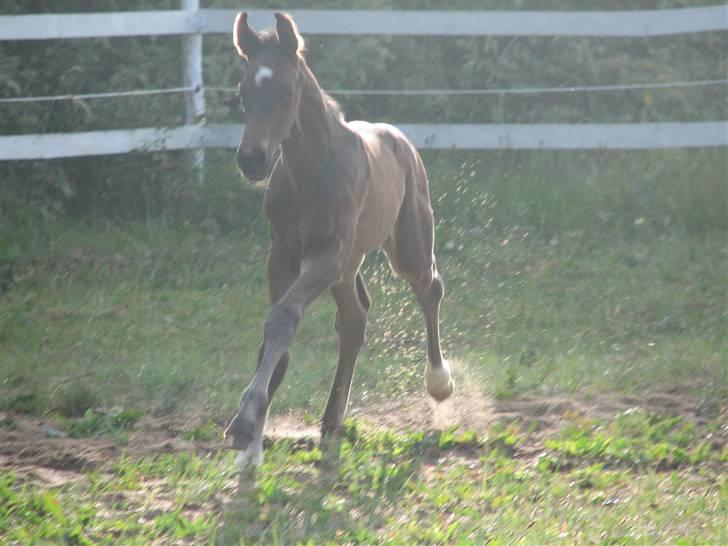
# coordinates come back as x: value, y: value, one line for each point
x: 253, y: 163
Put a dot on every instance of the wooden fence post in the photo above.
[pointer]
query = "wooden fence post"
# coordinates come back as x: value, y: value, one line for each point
x: 195, y: 99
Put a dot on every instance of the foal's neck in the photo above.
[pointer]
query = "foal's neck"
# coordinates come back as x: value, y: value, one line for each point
x: 308, y: 146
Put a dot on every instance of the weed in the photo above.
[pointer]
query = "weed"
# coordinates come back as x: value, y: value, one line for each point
x: 503, y: 438
x: 24, y: 403
x: 633, y: 439
x: 75, y: 400
x: 205, y: 432
x: 113, y: 422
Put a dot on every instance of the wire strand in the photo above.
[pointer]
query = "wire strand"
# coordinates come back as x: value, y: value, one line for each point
x: 516, y: 91
x: 111, y: 94
x: 384, y: 92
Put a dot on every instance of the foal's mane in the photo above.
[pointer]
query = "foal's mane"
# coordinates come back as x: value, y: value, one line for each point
x: 332, y: 105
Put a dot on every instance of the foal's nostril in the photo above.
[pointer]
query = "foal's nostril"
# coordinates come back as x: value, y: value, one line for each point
x: 251, y: 160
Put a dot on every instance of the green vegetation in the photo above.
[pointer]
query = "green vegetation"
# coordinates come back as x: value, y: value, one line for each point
x: 581, y: 279
x: 97, y: 423
x: 600, y: 286
x: 389, y: 488
x: 142, y: 318
x: 127, y: 290
x: 565, y: 273
x: 637, y: 439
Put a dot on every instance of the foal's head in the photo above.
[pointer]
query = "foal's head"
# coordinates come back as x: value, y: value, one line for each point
x: 270, y: 92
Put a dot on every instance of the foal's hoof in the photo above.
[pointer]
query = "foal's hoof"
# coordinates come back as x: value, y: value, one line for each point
x: 332, y: 433
x: 439, y: 381
x: 239, y: 434
x: 251, y: 457
x: 248, y: 424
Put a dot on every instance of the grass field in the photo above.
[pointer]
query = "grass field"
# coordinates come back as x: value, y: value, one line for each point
x: 637, y: 480
x: 586, y: 319
x: 130, y: 318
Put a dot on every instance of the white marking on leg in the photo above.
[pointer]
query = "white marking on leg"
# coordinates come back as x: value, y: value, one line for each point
x: 252, y: 455
x: 263, y: 73
x: 439, y: 381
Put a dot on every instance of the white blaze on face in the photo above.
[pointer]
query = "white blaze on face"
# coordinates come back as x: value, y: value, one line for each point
x: 263, y: 73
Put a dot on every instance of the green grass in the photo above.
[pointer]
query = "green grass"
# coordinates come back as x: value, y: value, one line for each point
x: 393, y: 488
x: 568, y: 274
x: 123, y: 317
x: 564, y: 271
x: 639, y: 440
x: 98, y: 423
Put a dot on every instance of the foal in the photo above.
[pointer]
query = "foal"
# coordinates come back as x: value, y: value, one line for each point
x: 338, y: 191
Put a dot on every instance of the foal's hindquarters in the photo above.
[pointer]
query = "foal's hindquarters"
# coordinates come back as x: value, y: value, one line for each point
x: 410, y: 250
x: 395, y: 215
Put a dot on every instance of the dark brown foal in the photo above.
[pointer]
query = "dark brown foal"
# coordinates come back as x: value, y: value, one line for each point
x: 338, y: 191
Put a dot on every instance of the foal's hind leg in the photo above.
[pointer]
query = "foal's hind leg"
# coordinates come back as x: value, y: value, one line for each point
x: 410, y: 252
x: 429, y: 290
x: 352, y: 304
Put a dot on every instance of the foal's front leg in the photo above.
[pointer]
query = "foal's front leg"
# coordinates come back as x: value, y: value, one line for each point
x: 317, y: 273
x: 282, y: 270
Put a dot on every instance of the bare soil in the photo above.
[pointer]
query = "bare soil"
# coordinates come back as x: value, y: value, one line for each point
x: 470, y: 410
x: 37, y: 449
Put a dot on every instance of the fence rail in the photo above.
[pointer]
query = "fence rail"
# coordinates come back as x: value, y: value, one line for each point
x: 424, y: 136
x: 376, y: 22
x: 194, y: 22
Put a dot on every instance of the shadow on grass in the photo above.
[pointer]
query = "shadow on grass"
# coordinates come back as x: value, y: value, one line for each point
x: 345, y: 490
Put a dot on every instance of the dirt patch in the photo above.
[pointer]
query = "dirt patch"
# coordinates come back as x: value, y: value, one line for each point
x: 38, y: 449
x: 32, y: 442
x: 471, y: 409
x: 41, y: 449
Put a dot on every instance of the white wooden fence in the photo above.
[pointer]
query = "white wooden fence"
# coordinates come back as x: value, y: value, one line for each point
x: 401, y: 23
x: 193, y: 22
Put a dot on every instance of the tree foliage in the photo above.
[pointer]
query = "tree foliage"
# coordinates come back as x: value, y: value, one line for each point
x: 143, y: 185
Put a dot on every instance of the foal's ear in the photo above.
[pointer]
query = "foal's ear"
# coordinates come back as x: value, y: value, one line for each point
x: 288, y: 37
x: 246, y: 40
